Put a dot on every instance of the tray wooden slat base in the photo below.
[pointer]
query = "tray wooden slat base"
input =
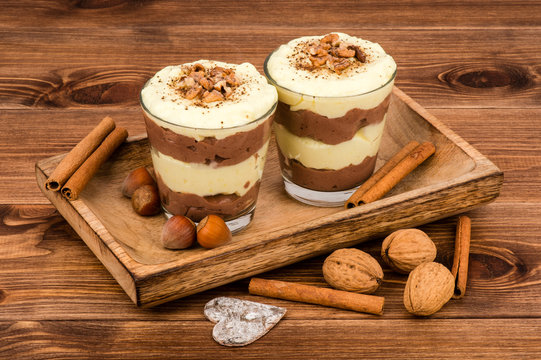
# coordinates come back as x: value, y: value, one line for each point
x: 455, y: 179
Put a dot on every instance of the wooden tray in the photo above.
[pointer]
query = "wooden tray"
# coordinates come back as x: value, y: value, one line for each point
x: 456, y: 179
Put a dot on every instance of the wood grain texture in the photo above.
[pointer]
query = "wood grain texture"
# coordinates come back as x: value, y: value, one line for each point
x: 279, y: 13
x: 472, y: 72
x: 297, y: 339
x: 65, y: 64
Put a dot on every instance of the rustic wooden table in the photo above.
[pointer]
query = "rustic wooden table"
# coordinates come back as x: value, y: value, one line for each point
x: 64, y: 65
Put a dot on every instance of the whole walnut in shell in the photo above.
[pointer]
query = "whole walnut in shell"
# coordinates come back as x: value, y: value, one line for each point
x: 430, y: 286
x: 405, y: 249
x: 352, y: 270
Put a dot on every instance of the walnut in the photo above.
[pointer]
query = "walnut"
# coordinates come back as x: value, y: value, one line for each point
x: 330, y: 39
x: 198, y: 68
x: 352, y: 270
x: 186, y: 82
x: 194, y: 92
x: 359, y: 53
x: 429, y: 287
x: 211, y: 96
x: 341, y: 65
x: 318, y: 61
x: 232, y: 80
x: 405, y: 249
x: 220, y: 85
x: 345, y: 52
x: 206, y: 83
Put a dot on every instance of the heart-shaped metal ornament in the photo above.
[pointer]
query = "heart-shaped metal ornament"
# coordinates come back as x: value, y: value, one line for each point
x: 241, y: 322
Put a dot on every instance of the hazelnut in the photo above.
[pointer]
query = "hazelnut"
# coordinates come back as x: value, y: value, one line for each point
x: 178, y: 233
x: 146, y: 200
x: 430, y: 286
x: 212, y: 232
x: 352, y: 270
x: 405, y: 249
x: 135, y: 180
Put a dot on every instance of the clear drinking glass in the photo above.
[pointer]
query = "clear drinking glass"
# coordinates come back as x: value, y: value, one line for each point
x: 209, y: 171
x: 328, y: 145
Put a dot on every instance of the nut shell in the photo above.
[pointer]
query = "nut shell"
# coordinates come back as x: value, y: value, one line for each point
x: 213, y: 232
x: 405, y: 249
x: 429, y: 287
x: 352, y: 270
x: 178, y: 233
x: 146, y: 200
x: 135, y: 180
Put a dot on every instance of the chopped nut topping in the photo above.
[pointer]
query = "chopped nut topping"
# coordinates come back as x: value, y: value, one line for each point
x: 332, y: 53
x: 214, y: 95
x: 206, y: 85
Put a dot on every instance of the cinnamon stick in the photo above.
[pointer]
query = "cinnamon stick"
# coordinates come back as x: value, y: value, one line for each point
x: 397, y: 173
x: 355, y: 199
x: 79, y: 154
x: 462, y: 255
x: 80, y: 178
x: 315, y: 295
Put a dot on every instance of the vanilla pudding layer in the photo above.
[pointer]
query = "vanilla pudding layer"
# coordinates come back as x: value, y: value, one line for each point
x: 318, y: 155
x: 207, y: 180
x: 334, y: 107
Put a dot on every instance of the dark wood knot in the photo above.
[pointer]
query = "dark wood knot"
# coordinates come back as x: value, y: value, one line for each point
x: 97, y: 4
x: 3, y: 296
x: 488, y: 77
x: 96, y: 87
x: 496, y: 267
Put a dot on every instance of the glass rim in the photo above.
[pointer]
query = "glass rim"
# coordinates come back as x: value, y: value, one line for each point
x: 146, y: 110
x: 274, y: 83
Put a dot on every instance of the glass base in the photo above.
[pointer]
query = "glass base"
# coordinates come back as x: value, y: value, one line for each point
x: 235, y: 225
x: 317, y: 198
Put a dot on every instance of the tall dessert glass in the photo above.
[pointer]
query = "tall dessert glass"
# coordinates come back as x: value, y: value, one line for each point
x: 331, y: 113
x: 208, y: 150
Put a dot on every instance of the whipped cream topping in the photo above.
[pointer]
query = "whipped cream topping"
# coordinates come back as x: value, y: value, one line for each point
x: 290, y: 67
x: 250, y: 100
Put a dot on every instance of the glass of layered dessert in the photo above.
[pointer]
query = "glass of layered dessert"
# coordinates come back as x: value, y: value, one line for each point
x: 209, y: 125
x: 334, y: 91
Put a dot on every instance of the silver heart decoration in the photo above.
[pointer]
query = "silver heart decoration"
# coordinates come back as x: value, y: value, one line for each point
x: 241, y: 322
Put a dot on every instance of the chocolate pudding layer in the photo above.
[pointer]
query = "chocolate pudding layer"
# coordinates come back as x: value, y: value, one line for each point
x: 332, y: 131
x: 327, y: 180
x: 196, y: 207
x: 228, y: 151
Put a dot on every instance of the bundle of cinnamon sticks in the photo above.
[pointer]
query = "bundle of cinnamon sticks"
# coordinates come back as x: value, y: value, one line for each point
x: 391, y: 173
x: 83, y: 161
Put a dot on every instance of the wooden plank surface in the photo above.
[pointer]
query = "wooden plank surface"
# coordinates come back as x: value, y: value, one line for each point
x: 273, y: 13
x: 65, y: 64
x: 335, y: 339
x: 473, y: 71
